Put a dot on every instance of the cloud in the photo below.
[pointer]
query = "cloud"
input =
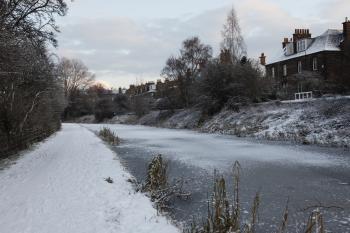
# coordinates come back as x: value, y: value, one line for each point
x: 122, y: 49
x: 131, y: 49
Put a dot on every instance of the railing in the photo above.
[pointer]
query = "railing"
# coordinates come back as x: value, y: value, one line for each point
x: 15, y: 143
x: 303, y: 95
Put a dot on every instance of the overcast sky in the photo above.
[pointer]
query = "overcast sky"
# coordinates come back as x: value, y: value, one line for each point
x: 124, y: 42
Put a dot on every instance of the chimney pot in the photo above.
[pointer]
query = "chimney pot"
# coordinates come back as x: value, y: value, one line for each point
x: 285, y: 42
x: 262, y: 59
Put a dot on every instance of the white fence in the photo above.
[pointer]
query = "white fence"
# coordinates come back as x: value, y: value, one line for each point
x: 303, y: 95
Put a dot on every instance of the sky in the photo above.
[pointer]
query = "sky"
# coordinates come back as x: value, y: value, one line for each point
x: 128, y: 42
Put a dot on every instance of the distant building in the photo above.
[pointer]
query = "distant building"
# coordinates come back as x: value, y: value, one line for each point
x: 122, y: 91
x: 325, y: 57
x: 149, y: 88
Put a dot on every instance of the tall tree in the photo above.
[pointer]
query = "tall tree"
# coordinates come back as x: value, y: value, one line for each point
x: 75, y: 76
x: 233, y: 41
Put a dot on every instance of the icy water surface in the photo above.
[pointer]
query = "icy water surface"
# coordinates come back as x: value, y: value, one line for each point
x: 306, y: 175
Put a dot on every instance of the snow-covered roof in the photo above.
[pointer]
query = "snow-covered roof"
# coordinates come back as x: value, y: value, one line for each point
x: 328, y: 41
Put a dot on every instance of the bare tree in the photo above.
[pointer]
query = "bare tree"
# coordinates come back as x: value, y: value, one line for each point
x: 34, y: 19
x: 184, y: 69
x: 75, y: 76
x: 31, y: 100
x: 232, y: 37
x: 30, y: 97
x: 194, y: 55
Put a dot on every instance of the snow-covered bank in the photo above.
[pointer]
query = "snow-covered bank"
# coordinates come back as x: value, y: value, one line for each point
x: 324, y: 122
x: 60, y: 187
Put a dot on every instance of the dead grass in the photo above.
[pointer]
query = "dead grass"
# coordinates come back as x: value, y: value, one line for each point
x: 224, y: 214
x: 157, y: 186
x: 109, y: 136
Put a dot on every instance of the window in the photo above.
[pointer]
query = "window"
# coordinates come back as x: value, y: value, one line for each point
x: 301, y: 45
x: 273, y: 72
x: 300, y: 67
x: 314, y: 64
x: 285, y: 70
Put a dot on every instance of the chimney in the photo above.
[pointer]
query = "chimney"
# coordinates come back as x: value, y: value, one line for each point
x: 300, y: 34
x: 346, y: 29
x: 285, y: 42
x: 262, y: 59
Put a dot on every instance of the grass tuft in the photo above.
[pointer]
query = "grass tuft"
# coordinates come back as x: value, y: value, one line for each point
x: 157, y: 186
x: 224, y: 214
x: 109, y: 136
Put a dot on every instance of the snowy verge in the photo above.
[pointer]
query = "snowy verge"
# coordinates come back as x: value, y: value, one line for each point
x: 60, y: 187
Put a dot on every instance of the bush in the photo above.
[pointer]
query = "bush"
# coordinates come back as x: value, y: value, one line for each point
x: 230, y: 84
x: 108, y: 136
x: 141, y: 105
x: 104, y: 110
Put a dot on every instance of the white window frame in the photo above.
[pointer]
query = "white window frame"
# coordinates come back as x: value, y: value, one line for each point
x: 273, y: 72
x: 300, y: 67
x: 301, y: 45
x: 285, y: 70
x: 314, y: 64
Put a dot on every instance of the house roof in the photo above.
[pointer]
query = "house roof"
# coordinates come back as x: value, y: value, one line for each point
x: 328, y: 41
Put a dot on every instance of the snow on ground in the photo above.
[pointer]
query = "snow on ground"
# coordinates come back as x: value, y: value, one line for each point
x: 60, y: 187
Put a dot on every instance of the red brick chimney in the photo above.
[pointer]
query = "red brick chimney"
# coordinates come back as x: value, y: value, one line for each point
x: 262, y: 59
x: 301, y: 34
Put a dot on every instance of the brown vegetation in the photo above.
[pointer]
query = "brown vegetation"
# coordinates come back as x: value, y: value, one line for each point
x: 224, y: 214
x: 109, y: 136
x: 158, y: 188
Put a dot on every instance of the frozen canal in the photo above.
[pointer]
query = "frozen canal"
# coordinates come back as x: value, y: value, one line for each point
x: 309, y: 176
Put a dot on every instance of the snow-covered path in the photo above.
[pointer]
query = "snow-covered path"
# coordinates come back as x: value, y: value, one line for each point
x: 60, y: 187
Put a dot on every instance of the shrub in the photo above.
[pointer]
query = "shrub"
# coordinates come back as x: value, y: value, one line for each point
x: 229, y: 84
x: 104, y: 110
x: 109, y: 136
